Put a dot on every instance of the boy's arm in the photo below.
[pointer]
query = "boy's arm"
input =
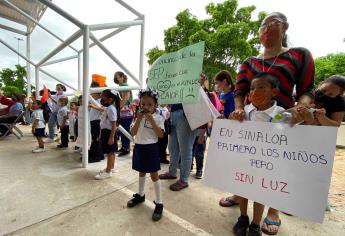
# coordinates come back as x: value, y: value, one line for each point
x: 34, y: 125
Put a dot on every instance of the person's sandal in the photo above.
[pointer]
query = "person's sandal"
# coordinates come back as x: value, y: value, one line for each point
x: 240, y: 228
x: 167, y: 176
x: 157, y: 213
x: 179, y: 185
x: 228, y: 202
x: 268, y: 223
x: 137, y: 199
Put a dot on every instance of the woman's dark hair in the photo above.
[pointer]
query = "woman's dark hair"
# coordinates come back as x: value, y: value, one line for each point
x: 282, y: 17
x: 116, y: 99
x: 338, y: 80
x: 273, y: 80
x: 225, y: 75
x: 121, y: 74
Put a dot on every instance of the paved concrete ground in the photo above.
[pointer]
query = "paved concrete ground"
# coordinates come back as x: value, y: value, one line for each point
x: 50, y: 194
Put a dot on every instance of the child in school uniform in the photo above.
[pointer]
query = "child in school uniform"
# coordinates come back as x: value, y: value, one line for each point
x: 38, y: 125
x: 72, y: 116
x: 111, y: 101
x: 147, y: 128
x: 263, y: 88
x: 62, y: 118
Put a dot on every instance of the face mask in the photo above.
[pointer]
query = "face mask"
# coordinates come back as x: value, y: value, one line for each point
x: 104, y: 103
x: 321, y: 97
x: 259, y: 98
x: 269, y: 37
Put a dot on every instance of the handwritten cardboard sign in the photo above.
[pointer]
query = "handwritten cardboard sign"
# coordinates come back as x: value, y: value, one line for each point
x: 200, y: 113
x: 176, y: 75
x: 287, y: 168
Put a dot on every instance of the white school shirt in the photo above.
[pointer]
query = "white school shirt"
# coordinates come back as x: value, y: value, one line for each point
x: 55, y: 106
x: 108, y: 116
x: 268, y: 115
x: 146, y: 134
x: 63, y: 111
x: 95, y: 114
x: 38, y: 115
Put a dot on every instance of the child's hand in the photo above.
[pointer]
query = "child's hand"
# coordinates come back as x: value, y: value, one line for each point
x: 111, y: 141
x: 237, y: 115
x: 140, y: 115
x: 320, y: 113
x: 306, y: 115
x: 201, y: 140
x: 148, y: 116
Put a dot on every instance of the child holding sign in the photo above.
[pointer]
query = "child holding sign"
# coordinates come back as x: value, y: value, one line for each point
x: 263, y: 88
x: 148, y: 127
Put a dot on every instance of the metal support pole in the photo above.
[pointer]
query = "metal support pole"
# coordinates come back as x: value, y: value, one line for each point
x: 106, y: 51
x: 86, y: 39
x: 35, y: 21
x: 37, y: 82
x: 129, y: 7
x: 121, y: 88
x: 79, y: 72
x: 62, y: 13
x: 59, y: 60
x: 15, y: 51
x: 68, y: 41
x: 61, y: 81
x: 115, y: 25
x: 141, y: 63
x: 28, y: 66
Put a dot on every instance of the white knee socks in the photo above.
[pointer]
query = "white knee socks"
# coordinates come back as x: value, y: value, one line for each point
x: 141, y: 185
x: 157, y: 186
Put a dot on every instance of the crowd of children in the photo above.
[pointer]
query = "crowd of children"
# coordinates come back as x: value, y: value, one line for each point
x: 151, y: 127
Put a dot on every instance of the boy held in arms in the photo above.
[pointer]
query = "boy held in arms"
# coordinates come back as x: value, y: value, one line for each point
x: 38, y: 125
x: 263, y: 88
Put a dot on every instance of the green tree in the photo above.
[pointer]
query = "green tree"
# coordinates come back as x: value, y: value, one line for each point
x: 229, y: 33
x: 332, y: 64
x: 12, y: 81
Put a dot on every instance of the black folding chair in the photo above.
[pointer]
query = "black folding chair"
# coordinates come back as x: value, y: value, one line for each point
x: 12, y: 127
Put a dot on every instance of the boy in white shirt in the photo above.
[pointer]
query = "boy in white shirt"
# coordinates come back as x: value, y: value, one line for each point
x: 62, y: 118
x: 38, y: 125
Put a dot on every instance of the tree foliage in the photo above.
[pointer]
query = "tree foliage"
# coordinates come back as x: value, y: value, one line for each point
x: 229, y: 33
x: 12, y: 81
x: 332, y: 64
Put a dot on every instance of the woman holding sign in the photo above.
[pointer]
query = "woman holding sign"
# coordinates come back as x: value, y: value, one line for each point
x: 295, y: 69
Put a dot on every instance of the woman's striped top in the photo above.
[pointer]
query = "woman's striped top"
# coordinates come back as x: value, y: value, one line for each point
x: 292, y: 67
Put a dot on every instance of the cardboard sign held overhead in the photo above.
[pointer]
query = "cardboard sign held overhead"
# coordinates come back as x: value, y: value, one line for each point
x: 176, y: 75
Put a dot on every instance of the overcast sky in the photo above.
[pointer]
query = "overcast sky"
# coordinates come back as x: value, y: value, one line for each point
x: 316, y: 25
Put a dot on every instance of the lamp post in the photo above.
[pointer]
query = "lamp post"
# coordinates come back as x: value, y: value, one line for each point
x: 18, y: 39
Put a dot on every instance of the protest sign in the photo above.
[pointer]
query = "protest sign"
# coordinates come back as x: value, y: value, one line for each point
x: 287, y: 168
x: 176, y: 75
x: 200, y: 113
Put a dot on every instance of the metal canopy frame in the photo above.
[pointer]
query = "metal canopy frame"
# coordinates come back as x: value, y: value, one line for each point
x: 84, y: 31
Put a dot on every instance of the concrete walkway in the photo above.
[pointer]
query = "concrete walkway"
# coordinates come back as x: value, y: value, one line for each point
x: 50, y: 194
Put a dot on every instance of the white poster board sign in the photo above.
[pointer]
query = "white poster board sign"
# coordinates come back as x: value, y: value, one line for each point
x: 287, y: 168
x: 200, y: 113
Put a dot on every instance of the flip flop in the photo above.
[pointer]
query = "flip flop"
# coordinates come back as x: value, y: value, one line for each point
x: 228, y: 202
x: 268, y: 223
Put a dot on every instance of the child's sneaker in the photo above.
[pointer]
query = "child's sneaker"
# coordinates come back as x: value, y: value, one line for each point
x: 137, y: 199
x: 38, y: 149
x: 103, y: 175
x: 157, y: 213
x: 112, y: 170
x: 254, y: 230
x: 240, y: 228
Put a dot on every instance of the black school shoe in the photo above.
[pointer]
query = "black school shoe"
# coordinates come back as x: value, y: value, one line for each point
x: 137, y: 199
x: 254, y: 230
x: 124, y: 153
x: 61, y: 146
x: 240, y: 228
x: 158, y: 212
